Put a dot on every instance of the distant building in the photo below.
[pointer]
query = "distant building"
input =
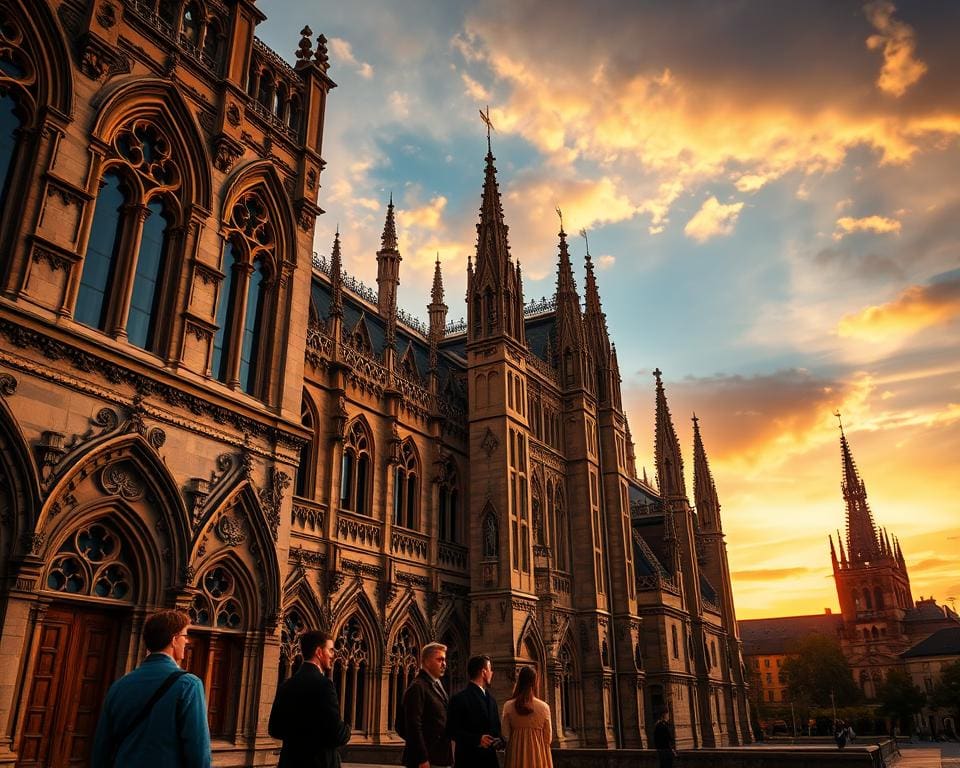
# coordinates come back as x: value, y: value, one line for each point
x: 766, y: 646
x: 924, y: 662
x: 879, y: 622
x: 880, y: 618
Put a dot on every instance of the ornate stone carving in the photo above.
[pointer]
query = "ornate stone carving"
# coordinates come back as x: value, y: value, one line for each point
x: 8, y: 384
x: 117, y: 481
x: 231, y: 530
x: 271, y: 498
x: 489, y: 443
x: 107, y: 15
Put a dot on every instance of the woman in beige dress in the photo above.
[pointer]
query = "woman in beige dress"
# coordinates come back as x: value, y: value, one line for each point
x: 526, y: 725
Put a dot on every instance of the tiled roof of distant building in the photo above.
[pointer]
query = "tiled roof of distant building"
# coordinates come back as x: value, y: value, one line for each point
x: 946, y: 642
x: 773, y: 636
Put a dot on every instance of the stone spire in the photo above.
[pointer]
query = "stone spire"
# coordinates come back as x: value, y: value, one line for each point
x: 436, y: 309
x: 863, y: 544
x: 336, y: 279
x: 388, y: 265
x: 494, y: 296
x: 571, y: 342
x: 704, y: 488
x: 667, y: 449
x: 833, y: 553
x: 593, y: 317
x: 632, y: 453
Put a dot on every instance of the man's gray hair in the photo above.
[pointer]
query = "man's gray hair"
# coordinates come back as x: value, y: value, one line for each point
x: 430, y: 650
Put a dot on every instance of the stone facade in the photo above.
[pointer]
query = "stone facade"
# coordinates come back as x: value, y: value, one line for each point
x: 196, y: 412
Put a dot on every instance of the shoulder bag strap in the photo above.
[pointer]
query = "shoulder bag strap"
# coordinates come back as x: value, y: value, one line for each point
x: 147, y: 708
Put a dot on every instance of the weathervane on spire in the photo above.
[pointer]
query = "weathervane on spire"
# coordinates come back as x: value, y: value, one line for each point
x: 839, y: 419
x: 485, y: 116
x: 583, y: 234
x: 560, y: 214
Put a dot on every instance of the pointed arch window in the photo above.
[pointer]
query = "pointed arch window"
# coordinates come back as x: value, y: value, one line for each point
x: 190, y: 25
x: 241, y: 343
x: 215, y: 652
x: 569, y: 709
x: 449, y: 493
x: 252, y: 328
x: 11, y: 125
x: 305, y: 467
x: 213, y: 45
x: 18, y: 103
x: 146, y: 300
x: 350, y: 673
x: 403, y: 663
x: 98, y: 264
x: 355, y: 470
x: 406, y: 489
x: 560, y: 542
x: 128, y: 260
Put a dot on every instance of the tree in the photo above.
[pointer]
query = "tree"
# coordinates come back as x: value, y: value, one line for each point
x: 947, y: 692
x: 816, y: 668
x: 899, y: 698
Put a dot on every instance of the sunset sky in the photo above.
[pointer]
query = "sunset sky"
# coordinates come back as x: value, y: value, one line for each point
x: 772, y: 198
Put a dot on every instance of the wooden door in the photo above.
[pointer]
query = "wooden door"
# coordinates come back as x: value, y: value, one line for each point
x: 76, y: 662
x: 216, y: 659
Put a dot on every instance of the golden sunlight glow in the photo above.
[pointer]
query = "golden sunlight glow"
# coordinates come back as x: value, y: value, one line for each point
x: 916, y: 308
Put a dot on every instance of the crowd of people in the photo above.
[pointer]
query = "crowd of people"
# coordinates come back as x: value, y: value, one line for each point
x: 156, y: 715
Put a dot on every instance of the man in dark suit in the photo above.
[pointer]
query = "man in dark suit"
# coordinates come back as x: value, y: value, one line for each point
x: 424, y: 715
x: 306, y: 713
x: 473, y: 719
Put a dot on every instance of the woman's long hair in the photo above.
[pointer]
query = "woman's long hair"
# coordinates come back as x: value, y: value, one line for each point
x: 525, y: 690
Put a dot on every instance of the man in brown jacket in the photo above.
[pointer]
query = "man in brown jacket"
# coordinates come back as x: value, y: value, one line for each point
x: 423, y: 717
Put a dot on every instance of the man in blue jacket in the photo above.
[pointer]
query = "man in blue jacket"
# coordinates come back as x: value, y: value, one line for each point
x: 156, y: 715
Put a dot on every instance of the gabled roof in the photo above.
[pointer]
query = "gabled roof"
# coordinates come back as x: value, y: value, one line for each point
x: 774, y: 636
x: 945, y: 642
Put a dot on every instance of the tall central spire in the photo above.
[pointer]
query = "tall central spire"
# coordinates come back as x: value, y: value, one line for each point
x: 495, y: 296
x: 863, y: 543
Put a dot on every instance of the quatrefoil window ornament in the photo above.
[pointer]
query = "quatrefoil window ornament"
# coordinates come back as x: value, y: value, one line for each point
x: 148, y: 151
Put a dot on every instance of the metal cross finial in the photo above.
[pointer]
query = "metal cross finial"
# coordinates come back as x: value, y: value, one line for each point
x: 485, y: 116
x: 839, y: 419
x: 695, y: 420
x: 560, y: 214
x: 657, y: 373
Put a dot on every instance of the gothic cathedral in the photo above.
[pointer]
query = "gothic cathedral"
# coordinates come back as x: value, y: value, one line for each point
x: 196, y: 411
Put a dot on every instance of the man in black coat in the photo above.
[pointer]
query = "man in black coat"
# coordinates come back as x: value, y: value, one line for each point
x: 423, y: 720
x: 306, y: 713
x: 663, y: 740
x: 473, y: 719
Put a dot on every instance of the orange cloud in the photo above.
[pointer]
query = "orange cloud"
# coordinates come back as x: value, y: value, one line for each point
x: 878, y: 224
x: 916, y: 308
x: 901, y: 68
x: 714, y: 219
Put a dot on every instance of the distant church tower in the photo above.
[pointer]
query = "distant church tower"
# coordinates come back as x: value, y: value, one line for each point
x: 872, y: 585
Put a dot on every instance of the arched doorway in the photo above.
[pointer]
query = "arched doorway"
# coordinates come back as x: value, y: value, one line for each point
x: 91, y: 583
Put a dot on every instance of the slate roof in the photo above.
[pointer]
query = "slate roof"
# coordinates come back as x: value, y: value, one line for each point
x: 945, y: 642
x: 774, y: 636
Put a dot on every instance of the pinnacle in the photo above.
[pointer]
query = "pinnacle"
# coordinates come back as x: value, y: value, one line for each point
x: 704, y: 487
x: 388, y: 240
x: 436, y: 293
x: 667, y: 448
